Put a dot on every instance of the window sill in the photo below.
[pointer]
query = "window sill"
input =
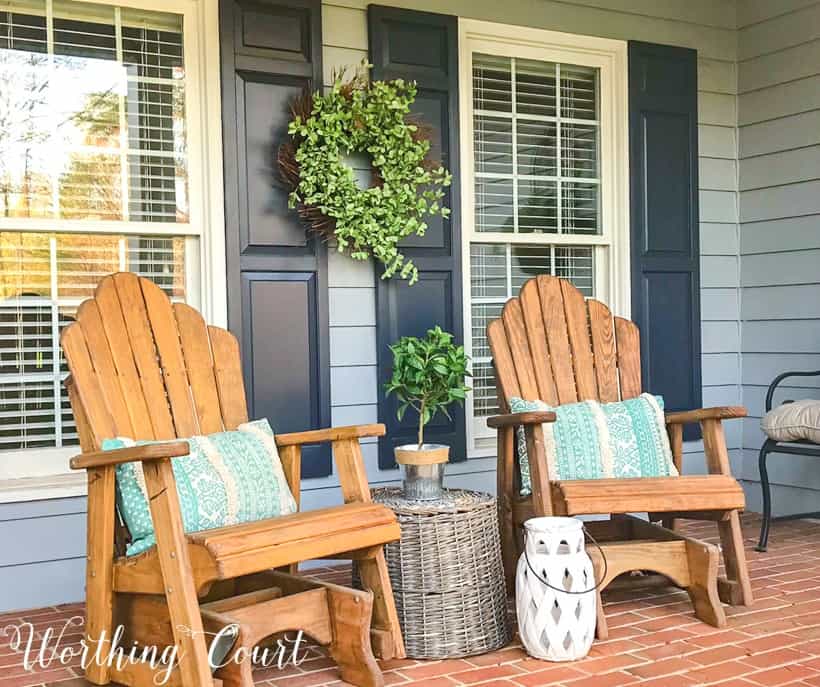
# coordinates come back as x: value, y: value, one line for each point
x: 42, y: 488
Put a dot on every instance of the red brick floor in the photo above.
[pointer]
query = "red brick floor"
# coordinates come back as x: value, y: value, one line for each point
x: 655, y: 640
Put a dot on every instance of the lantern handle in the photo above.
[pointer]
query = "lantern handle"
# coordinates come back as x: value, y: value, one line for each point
x: 566, y: 591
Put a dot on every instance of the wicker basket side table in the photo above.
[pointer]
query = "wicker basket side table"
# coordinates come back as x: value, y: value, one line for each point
x: 447, y: 574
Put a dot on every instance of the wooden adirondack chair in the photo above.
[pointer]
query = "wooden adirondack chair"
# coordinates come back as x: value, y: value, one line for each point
x: 144, y: 368
x: 550, y: 344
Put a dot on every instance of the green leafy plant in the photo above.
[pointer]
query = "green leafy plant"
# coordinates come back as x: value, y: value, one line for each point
x: 428, y: 375
x: 358, y: 116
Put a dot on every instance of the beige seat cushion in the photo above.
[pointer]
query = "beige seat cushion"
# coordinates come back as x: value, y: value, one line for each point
x: 793, y: 422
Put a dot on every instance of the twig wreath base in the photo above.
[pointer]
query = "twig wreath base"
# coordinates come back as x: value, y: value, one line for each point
x: 362, y: 117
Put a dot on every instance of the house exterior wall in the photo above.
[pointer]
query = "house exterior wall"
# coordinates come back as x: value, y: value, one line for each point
x: 706, y: 26
x: 44, y: 541
x: 779, y: 185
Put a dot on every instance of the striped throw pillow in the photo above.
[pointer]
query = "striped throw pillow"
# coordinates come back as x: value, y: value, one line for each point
x: 592, y: 440
x: 228, y: 478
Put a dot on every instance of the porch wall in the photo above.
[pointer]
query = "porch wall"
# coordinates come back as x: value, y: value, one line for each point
x: 779, y: 184
x: 704, y: 25
x: 44, y: 542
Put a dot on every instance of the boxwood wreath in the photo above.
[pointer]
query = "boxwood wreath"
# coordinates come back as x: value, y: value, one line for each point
x: 358, y: 116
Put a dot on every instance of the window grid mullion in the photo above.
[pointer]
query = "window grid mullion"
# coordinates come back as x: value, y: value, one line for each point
x: 121, y: 106
x: 514, y: 133
x: 55, y: 341
x: 52, y: 73
x: 558, y: 144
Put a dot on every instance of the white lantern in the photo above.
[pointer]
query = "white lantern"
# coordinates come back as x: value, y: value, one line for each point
x: 555, y: 590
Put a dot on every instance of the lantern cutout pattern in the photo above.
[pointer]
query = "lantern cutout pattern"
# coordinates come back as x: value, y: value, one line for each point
x: 556, y: 622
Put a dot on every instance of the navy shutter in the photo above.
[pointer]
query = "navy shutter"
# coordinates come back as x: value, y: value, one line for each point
x: 663, y: 113
x: 277, y: 277
x: 422, y: 47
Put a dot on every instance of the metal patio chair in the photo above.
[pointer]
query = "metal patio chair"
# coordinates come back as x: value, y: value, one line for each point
x: 796, y: 448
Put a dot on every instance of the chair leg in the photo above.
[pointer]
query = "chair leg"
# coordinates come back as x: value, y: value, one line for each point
x: 736, y: 588
x: 350, y: 615
x: 763, y: 543
x: 375, y: 578
x: 506, y: 528
x: 99, y: 622
x: 703, y: 588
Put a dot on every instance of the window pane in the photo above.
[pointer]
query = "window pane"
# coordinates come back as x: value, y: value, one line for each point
x: 579, y: 207
x: 492, y: 83
x: 535, y: 88
x: 537, y: 206
x: 537, y: 148
x: 577, y: 263
x: 494, y: 205
x: 527, y: 262
x: 43, y: 278
x: 95, y: 131
x: 579, y: 92
x: 493, y: 145
x: 579, y: 151
x: 530, y: 149
x: 488, y: 270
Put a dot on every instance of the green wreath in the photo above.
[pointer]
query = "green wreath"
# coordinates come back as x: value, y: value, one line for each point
x: 373, y: 118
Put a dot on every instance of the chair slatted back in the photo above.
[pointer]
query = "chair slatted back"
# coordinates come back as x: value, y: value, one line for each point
x: 146, y: 368
x: 551, y: 344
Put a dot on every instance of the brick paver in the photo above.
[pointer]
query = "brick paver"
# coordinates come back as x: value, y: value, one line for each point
x: 655, y: 641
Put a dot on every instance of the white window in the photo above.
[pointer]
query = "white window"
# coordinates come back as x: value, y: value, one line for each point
x: 102, y: 141
x: 544, y: 179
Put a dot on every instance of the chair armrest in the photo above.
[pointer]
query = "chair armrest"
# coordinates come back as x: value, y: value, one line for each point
x: 318, y: 436
x: 685, y: 417
x: 130, y: 454
x: 530, y: 417
x: 780, y: 378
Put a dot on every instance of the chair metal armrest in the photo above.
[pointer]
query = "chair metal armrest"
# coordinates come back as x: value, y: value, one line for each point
x: 318, y: 436
x: 130, y: 454
x: 780, y: 378
x: 685, y: 417
x: 530, y: 417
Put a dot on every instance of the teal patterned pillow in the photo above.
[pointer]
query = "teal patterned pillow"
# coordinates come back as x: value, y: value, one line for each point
x: 227, y: 478
x: 592, y: 440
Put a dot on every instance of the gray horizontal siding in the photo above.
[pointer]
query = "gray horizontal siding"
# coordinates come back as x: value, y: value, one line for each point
x: 779, y: 182
x: 43, y: 545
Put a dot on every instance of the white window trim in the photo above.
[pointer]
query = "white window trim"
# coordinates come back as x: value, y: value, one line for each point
x: 34, y: 474
x: 610, y: 56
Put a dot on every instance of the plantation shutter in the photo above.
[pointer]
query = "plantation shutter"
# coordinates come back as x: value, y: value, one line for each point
x: 422, y: 47
x: 664, y: 198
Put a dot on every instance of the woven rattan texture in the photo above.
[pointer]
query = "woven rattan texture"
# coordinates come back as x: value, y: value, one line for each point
x: 447, y: 575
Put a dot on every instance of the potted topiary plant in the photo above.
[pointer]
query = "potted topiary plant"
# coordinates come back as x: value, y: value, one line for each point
x: 428, y: 376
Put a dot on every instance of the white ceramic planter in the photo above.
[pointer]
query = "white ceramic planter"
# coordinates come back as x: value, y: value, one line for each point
x: 555, y: 624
